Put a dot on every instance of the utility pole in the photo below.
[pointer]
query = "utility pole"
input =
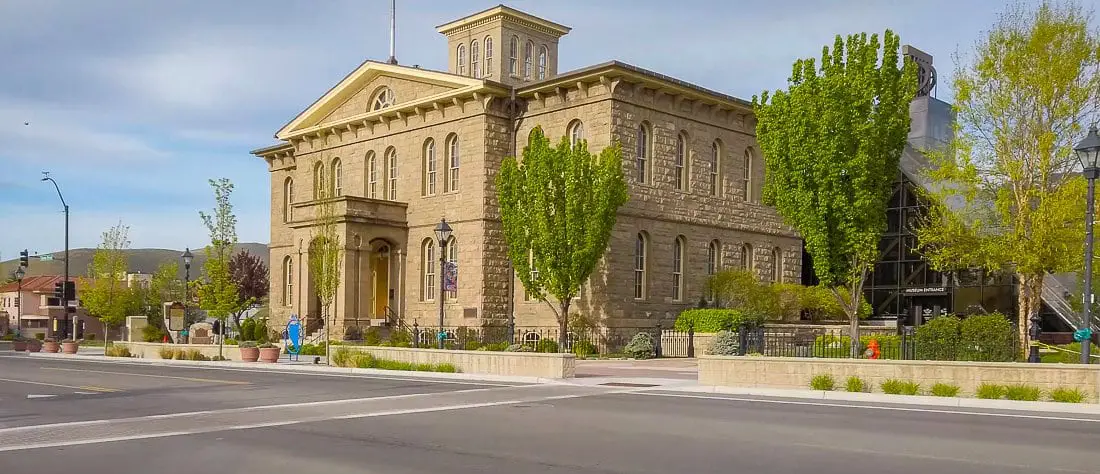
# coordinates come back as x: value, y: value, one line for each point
x: 66, y: 293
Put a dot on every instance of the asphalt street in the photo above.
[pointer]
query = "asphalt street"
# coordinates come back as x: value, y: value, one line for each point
x: 136, y: 418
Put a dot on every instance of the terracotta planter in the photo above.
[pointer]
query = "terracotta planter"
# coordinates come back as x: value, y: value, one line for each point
x: 69, y: 347
x: 51, y: 347
x: 34, y: 346
x: 19, y: 346
x: 250, y: 354
x: 269, y: 354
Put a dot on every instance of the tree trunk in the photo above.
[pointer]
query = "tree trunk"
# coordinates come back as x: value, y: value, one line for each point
x: 1029, y: 299
x: 853, y: 331
x: 563, y: 325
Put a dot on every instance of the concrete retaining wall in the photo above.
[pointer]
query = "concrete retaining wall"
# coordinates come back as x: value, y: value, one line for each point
x: 525, y: 364
x: 794, y: 372
x: 151, y: 350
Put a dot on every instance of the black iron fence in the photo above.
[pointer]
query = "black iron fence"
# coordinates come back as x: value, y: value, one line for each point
x: 584, y: 342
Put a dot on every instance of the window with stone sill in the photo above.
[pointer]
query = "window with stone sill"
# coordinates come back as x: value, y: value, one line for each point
x: 372, y: 176
x: 391, y: 159
x: 681, y: 174
x: 715, y: 167
x: 641, y: 244
x: 513, y: 57
x: 288, y: 200
x: 488, y: 56
x: 288, y: 281
x: 430, y: 173
x: 451, y: 183
x: 643, y: 152
x: 527, y: 60
x: 678, y: 269
x: 777, y: 265
x: 337, y: 178
x: 475, y: 60
x: 319, y: 180
x: 427, y: 270
x: 461, y: 59
x: 543, y: 58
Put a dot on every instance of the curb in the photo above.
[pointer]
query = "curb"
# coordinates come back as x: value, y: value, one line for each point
x: 917, y: 400
x: 305, y: 369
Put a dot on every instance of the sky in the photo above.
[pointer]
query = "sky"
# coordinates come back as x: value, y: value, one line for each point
x: 133, y: 105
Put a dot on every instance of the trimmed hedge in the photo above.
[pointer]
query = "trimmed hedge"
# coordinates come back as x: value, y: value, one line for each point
x: 715, y: 320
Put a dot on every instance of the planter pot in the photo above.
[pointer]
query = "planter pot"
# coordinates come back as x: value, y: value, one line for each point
x: 34, y: 346
x: 269, y: 354
x: 51, y: 347
x: 69, y: 347
x: 19, y: 346
x: 250, y: 354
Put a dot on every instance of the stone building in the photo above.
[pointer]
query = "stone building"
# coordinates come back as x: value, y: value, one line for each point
x: 403, y: 147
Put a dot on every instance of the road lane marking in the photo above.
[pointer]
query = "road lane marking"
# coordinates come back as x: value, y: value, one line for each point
x: 98, y: 389
x: 34, y: 396
x: 31, y: 382
x: 190, y: 379
x: 869, y: 407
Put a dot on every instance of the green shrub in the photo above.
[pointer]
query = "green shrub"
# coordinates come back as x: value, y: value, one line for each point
x: 990, y: 391
x: 900, y: 387
x: 151, y: 333
x: 372, y: 336
x: 115, y: 350
x: 1023, y: 392
x: 40, y: 336
x: 194, y: 354
x: 641, y: 346
x: 229, y: 341
x: 823, y: 382
x: 945, y: 390
x: 518, y: 348
x: 400, y: 338
x: 725, y: 343
x: 89, y: 337
x: 166, y: 353
x: 246, y: 344
x: 987, y: 338
x: 218, y: 358
x: 313, y: 349
x: 342, y: 357
x: 937, y: 339
x: 833, y: 346
x: 179, y: 355
x: 248, y: 330
x: 496, y: 347
x: 855, y: 384
x: 584, y: 348
x: 1068, y: 395
x: 708, y: 320
x: 353, y: 333
x: 546, y: 345
x: 363, y: 360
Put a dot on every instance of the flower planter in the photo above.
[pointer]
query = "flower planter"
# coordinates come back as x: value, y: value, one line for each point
x: 19, y: 346
x: 51, y: 347
x: 34, y: 346
x: 269, y: 354
x: 69, y: 347
x: 251, y: 354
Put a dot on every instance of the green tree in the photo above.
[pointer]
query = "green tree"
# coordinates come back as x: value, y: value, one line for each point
x: 217, y: 291
x: 165, y: 286
x: 104, y: 292
x: 251, y: 276
x: 558, y: 208
x: 325, y: 254
x: 831, y: 145
x: 1010, y: 200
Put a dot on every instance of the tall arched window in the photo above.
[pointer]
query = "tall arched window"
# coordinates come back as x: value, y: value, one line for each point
x: 746, y: 257
x: 427, y: 270
x: 513, y: 56
x: 640, y: 247
x: 382, y: 99
x: 337, y: 178
x: 451, y: 183
x: 288, y: 281
x: 715, y: 164
x: 713, y: 256
x: 452, y: 257
x: 372, y: 175
x: 681, y: 159
x: 288, y: 200
x: 534, y: 273
x: 644, y: 148
x: 391, y: 163
x: 475, y: 59
x: 527, y: 51
x: 777, y: 265
x: 428, y: 188
x: 319, y: 180
x: 543, y: 58
x: 461, y: 59
x: 678, y: 269
x: 576, y: 132
x: 488, y: 55
x: 747, y: 178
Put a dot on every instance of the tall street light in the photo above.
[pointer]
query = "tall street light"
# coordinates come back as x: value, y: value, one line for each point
x: 1088, y: 150
x: 443, y: 233
x: 187, y: 257
x: 65, y: 291
x: 19, y: 273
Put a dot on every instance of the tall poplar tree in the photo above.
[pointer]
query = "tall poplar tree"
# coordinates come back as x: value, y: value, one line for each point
x: 217, y: 291
x: 831, y: 145
x: 325, y: 254
x: 105, y: 293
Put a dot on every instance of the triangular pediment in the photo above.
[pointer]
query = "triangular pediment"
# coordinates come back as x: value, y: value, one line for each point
x: 355, y: 95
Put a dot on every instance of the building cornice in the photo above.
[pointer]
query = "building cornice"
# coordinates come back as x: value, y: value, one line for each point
x: 502, y: 13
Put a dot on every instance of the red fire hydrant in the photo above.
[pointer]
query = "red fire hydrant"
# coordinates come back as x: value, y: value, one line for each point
x: 872, y: 349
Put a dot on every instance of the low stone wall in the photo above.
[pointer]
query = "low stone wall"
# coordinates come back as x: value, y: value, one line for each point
x: 151, y: 350
x: 523, y: 364
x: 796, y: 372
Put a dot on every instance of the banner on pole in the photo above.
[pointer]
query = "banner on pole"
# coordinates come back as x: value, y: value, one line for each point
x: 450, y: 276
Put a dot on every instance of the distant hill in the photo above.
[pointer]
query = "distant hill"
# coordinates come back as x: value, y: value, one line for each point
x: 140, y: 261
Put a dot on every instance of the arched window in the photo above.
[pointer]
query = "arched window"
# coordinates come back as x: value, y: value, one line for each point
x: 391, y: 162
x: 576, y: 132
x: 777, y: 265
x: 746, y: 257
x: 715, y: 163
x: 428, y: 188
x: 644, y: 148
x: 427, y: 270
x: 382, y: 99
x: 288, y: 281
x: 452, y: 257
x: 534, y: 274
x: 451, y: 183
x: 513, y: 56
x: 319, y: 180
x: 681, y: 159
x: 527, y: 50
x: 461, y: 60
x: 475, y: 59
x: 288, y: 200
x: 337, y: 178
x: 678, y: 269
x: 713, y: 256
x: 543, y: 58
x: 747, y: 179
x: 372, y: 175
x: 488, y: 55
x: 640, y: 248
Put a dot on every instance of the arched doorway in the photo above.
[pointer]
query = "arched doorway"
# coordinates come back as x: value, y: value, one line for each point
x: 381, y: 266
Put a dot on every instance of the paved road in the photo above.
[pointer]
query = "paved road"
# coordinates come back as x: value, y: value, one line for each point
x: 176, y: 420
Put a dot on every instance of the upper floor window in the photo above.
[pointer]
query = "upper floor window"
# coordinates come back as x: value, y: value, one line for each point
x: 337, y: 179
x: 319, y: 180
x: 391, y: 163
x: 428, y: 188
x: 640, y: 247
x: 288, y: 281
x: 644, y: 149
x: 382, y: 99
x: 534, y: 274
x: 678, y: 269
x: 475, y: 59
x: 747, y: 178
x: 427, y: 270
x: 461, y: 61
x: 527, y: 51
x: 681, y: 158
x: 746, y: 257
x: 451, y: 183
x: 777, y: 264
x: 576, y: 132
x: 513, y: 56
x: 713, y: 256
x: 715, y: 163
x: 488, y: 56
x: 543, y: 58
x: 372, y: 175
x: 288, y: 200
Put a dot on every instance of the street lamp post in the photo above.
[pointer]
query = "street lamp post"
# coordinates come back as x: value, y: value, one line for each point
x: 443, y: 233
x: 1088, y: 150
x: 65, y: 290
x: 187, y: 257
x: 19, y: 273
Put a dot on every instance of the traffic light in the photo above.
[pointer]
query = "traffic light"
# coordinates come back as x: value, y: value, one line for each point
x: 58, y: 290
x: 24, y: 259
x: 70, y: 291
